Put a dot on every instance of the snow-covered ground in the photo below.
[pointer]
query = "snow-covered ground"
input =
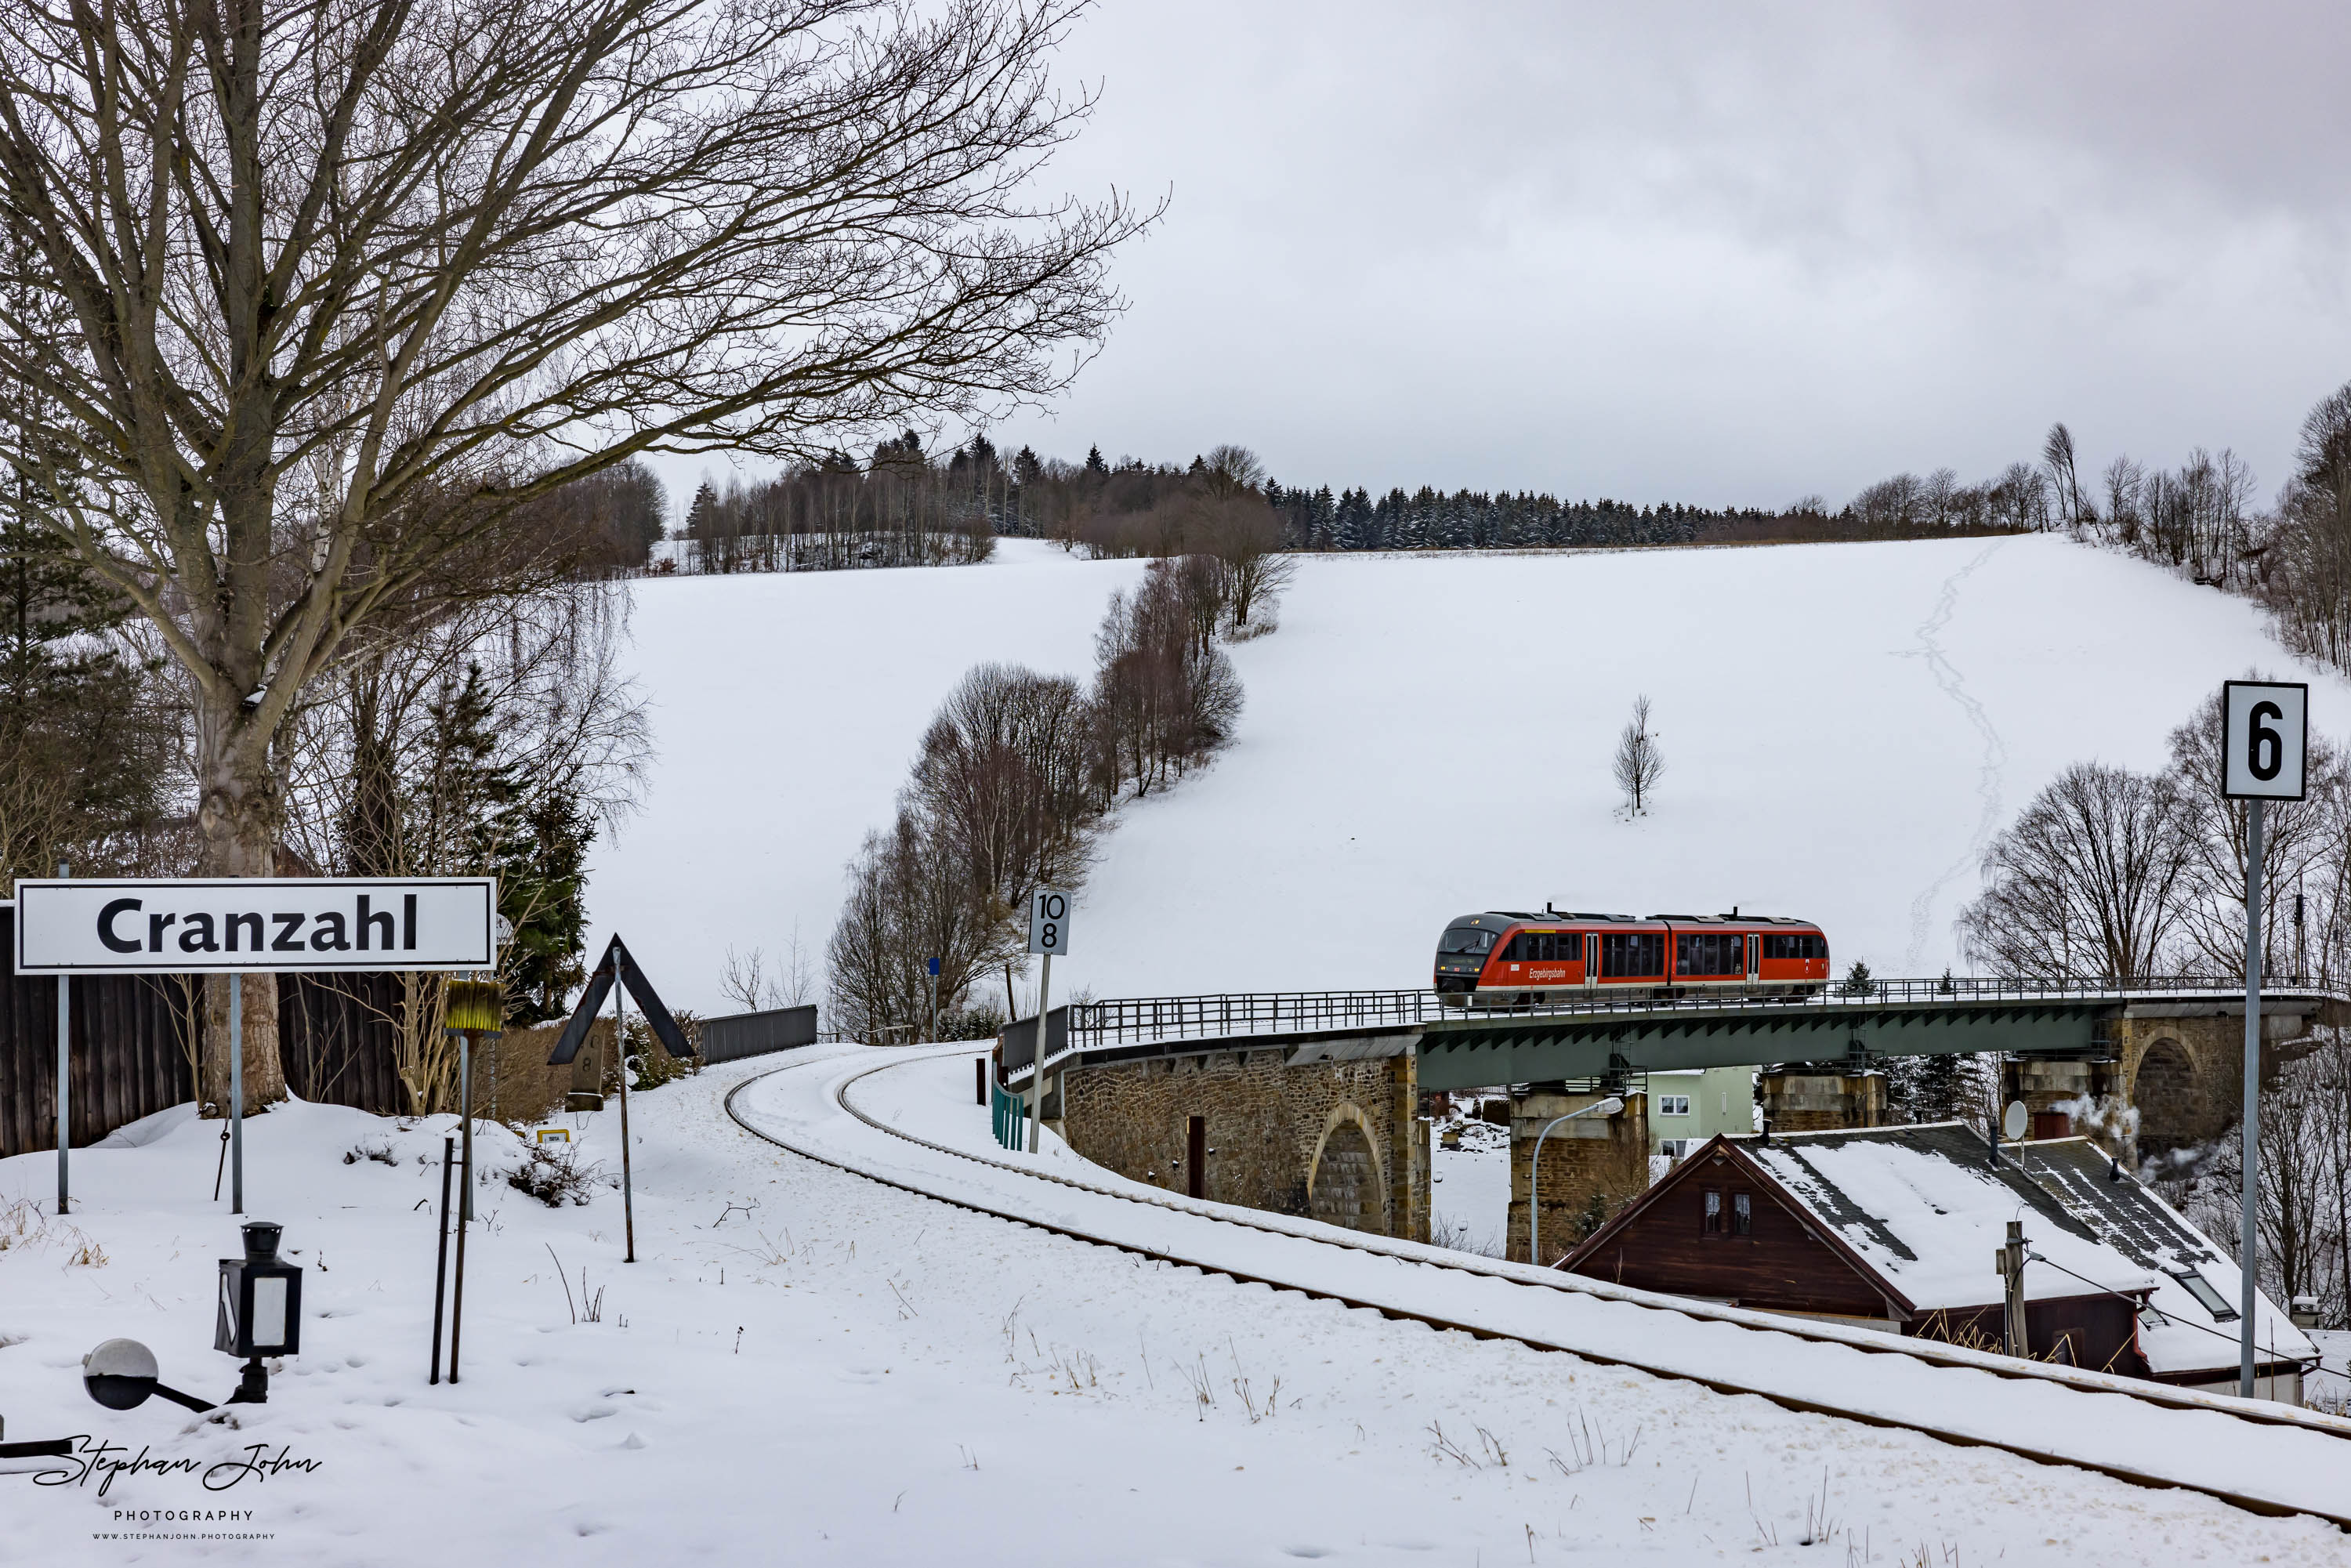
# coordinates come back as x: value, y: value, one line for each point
x: 874, y: 1377
x: 1469, y: 1184
x: 1843, y: 726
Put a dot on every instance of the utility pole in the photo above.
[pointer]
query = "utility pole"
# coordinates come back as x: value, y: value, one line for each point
x: 2010, y: 1262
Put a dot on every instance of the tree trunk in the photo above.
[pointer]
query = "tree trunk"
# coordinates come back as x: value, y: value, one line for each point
x: 238, y: 812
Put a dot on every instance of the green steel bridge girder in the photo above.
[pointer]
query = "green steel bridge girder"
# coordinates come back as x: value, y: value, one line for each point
x: 1477, y: 1051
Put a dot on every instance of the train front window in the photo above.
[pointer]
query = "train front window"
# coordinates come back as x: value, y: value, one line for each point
x: 1466, y: 941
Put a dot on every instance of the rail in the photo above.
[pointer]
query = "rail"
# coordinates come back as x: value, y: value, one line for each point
x: 1137, y: 1020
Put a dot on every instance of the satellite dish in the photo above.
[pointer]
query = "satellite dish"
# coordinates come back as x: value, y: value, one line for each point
x: 119, y: 1373
x: 2013, y: 1123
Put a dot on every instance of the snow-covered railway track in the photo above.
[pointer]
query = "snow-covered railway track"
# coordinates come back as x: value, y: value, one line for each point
x: 2308, y: 1474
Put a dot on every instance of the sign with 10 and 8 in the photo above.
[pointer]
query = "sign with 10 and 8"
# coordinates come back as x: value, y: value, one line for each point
x: 1049, y: 935
x: 2264, y: 746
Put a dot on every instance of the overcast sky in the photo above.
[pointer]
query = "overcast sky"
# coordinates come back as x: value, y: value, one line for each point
x: 1727, y: 254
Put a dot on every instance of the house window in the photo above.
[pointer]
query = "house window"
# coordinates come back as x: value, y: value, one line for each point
x: 1742, y: 1215
x: 1713, y: 1212
x: 2211, y: 1299
x: 1673, y: 1105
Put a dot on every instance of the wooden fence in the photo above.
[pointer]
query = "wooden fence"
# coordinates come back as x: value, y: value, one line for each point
x: 132, y: 1052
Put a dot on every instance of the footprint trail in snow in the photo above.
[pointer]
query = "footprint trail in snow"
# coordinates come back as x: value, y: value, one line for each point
x: 1995, y: 752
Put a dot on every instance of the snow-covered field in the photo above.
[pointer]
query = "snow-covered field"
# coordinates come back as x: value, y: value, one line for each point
x: 1844, y: 725
x: 875, y: 1378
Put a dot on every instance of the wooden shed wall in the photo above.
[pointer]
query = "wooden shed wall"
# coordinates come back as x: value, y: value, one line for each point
x: 132, y: 1052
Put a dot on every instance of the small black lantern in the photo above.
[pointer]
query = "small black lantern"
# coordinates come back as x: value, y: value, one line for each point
x: 261, y: 1309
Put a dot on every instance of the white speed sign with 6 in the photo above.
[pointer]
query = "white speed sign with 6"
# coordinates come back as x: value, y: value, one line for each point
x: 2266, y: 733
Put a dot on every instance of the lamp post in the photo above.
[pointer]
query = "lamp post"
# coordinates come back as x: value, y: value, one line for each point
x: 1607, y: 1107
x: 260, y: 1309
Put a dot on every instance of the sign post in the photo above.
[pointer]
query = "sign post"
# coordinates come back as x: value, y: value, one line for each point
x: 240, y: 925
x: 934, y: 966
x: 616, y: 967
x: 1049, y: 933
x: 65, y: 1071
x: 2264, y: 740
x: 235, y: 1090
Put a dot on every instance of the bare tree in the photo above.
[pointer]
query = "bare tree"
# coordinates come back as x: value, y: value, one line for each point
x: 746, y: 981
x: 2087, y: 881
x: 1638, y: 764
x: 351, y: 286
x: 2057, y: 457
x: 908, y: 900
x: 2300, y: 839
x: 1246, y: 536
x: 2125, y: 483
x: 1232, y: 469
x: 1005, y: 775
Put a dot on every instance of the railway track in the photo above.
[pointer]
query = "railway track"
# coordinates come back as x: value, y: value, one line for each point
x: 2154, y: 1396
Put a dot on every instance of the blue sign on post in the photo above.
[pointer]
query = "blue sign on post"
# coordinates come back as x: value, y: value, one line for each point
x: 935, y: 968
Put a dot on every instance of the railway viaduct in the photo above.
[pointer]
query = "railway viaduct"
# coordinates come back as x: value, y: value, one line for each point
x: 1312, y: 1102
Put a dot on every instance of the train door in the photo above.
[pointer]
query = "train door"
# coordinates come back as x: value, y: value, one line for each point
x: 1592, y: 960
x: 1754, y: 951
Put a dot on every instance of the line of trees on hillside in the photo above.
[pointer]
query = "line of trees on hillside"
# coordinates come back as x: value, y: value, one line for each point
x: 904, y: 507
x: 1016, y: 780
x: 2201, y: 520
x: 900, y: 510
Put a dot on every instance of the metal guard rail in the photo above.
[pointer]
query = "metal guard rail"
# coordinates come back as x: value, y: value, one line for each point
x: 1116, y: 1021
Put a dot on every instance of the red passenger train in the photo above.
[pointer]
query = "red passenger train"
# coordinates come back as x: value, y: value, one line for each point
x: 1504, y: 958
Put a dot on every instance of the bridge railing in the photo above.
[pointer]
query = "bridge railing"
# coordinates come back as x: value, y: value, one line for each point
x: 1136, y: 1021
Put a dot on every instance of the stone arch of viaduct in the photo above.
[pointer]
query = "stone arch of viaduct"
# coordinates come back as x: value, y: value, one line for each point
x: 1335, y: 1136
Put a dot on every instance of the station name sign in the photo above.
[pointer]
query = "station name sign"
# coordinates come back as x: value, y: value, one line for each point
x: 245, y: 924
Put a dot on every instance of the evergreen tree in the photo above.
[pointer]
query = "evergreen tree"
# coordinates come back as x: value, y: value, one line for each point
x: 1096, y: 468
x: 1857, y: 981
x: 540, y: 858
x: 702, y: 513
x: 87, y: 742
x: 482, y: 818
x: 1941, y: 1087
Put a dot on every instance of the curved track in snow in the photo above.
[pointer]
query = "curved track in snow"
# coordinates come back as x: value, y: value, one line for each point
x: 2266, y: 1458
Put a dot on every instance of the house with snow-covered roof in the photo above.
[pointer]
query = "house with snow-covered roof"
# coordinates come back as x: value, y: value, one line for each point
x: 1899, y: 1229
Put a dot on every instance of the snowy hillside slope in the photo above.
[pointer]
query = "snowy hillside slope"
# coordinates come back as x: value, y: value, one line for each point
x: 1845, y: 726
x: 785, y: 710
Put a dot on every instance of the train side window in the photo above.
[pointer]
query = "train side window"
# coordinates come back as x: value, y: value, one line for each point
x: 1632, y: 955
x: 1549, y: 943
x: 1712, y: 1224
x: 1742, y: 1215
